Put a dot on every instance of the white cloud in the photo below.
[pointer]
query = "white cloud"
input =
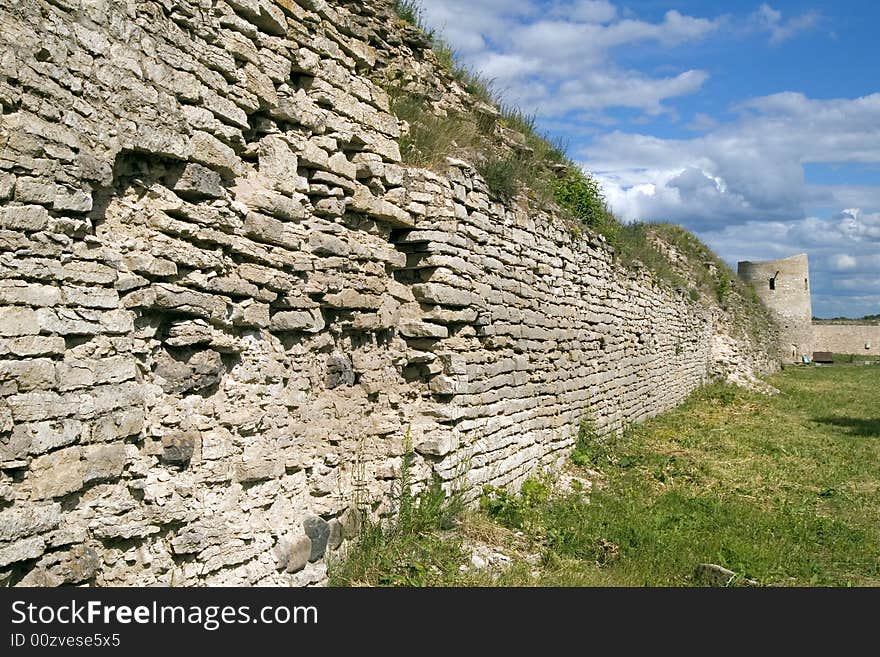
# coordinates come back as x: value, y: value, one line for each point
x: 560, y: 59
x: 750, y: 168
x: 766, y: 18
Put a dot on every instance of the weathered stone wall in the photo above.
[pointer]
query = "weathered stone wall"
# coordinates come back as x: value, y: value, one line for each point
x: 847, y: 338
x: 224, y: 304
x: 784, y: 285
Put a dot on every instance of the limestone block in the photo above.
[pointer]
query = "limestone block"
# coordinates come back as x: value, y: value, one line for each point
x: 353, y: 299
x: 263, y: 14
x: 42, y: 437
x: 259, y: 469
x: 149, y: 265
x: 251, y: 314
x: 292, y: 553
x: 19, y: 522
x: 34, y: 190
x: 442, y: 294
x: 309, y: 321
x: 417, y: 329
x: 56, y: 474
x: 93, y: 273
x: 326, y: 244
x: 24, y: 217
x: 31, y: 374
x: 65, y: 321
x: 103, y: 462
x: 16, y: 321
x: 214, y: 154
x: 30, y: 294
x: 27, y: 548
x: 272, y: 231
x: 339, y: 164
x: 380, y: 209
x: 446, y: 385
x: 437, y: 445
x: 90, y: 297
x: 198, y: 182
x: 180, y: 300
x: 66, y: 200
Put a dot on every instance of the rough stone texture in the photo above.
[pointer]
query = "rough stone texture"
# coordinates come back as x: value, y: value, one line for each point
x: 224, y: 302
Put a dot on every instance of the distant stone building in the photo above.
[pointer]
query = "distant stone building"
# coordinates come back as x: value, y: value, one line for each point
x: 784, y: 285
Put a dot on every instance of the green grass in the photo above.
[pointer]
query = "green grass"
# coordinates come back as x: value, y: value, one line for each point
x: 784, y: 490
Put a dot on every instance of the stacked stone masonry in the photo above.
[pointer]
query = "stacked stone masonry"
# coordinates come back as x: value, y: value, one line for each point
x: 847, y: 338
x: 226, y: 306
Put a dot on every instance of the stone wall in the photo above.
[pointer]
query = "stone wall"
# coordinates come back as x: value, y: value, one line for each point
x: 226, y: 308
x: 847, y: 338
x: 784, y: 285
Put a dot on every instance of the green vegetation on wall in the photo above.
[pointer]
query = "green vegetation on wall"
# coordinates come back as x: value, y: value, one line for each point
x: 514, y: 159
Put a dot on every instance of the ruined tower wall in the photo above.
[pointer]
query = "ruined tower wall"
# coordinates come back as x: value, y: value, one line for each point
x: 227, y: 309
x: 784, y: 285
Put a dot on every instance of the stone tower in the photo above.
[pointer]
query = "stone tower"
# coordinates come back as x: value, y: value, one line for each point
x: 784, y: 285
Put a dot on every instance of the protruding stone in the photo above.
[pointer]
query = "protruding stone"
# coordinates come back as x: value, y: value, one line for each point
x: 309, y: 321
x: 416, y: 329
x: 363, y: 201
x: 334, y: 539
x: 214, y: 154
x: 326, y: 244
x: 318, y: 531
x: 292, y: 553
x: 198, y: 182
x: 339, y: 371
x: 26, y: 548
x: 178, y: 448
x: 444, y: 295
x: 56, y: 474
x: 24, y: 217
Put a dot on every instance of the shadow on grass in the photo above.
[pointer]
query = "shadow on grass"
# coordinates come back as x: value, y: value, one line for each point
x: 854, y: 426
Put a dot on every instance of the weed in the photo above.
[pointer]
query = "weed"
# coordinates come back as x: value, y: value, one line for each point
x: 409, y: 11
x: 409, y: 548
x: 502, y: 174
x: 519, y: 511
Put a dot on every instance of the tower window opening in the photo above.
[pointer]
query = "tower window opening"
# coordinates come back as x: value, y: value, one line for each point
x: 772, y: 283
x: 806, y: 283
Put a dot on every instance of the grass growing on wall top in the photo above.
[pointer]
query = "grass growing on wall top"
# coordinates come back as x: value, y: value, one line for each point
x: 514, y: 158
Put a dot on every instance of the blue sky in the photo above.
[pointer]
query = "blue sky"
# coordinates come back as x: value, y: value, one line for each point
x: 756, y: 125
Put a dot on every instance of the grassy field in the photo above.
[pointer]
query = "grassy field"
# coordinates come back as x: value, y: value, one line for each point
x: 782, y: 490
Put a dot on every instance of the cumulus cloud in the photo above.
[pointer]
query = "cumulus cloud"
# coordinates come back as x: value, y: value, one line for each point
x: 752, y: 167
x: 769, y: 19
x: 558, y: 59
